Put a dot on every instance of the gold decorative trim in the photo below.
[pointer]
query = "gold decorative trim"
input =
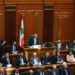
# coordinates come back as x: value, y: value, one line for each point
x: 48, y: 9
x: 29, y: 2
x: 28, y: 10
x: 10, y: 5
x: 10, y: 10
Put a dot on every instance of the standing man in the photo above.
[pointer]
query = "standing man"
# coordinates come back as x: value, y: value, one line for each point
x: 1, y: 51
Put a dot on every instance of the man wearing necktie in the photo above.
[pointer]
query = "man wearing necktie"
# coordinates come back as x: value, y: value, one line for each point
x: 7, y: 60
x: 65, y: 69
x: 21, y: 60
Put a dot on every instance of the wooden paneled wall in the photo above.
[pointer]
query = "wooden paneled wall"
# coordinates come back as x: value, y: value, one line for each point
x: 61, y: 25
x: 64, y: 21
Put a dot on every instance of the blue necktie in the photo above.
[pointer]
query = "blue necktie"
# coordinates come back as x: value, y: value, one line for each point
x: 66, y: 72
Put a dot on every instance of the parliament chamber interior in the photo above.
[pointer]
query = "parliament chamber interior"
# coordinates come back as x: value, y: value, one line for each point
x: 37, y: 37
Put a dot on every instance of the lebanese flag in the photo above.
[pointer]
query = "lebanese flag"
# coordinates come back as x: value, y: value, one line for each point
x: 21, y: 39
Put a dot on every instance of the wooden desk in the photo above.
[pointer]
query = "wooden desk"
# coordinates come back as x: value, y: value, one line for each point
x: 40, y: 51
x: 64, y: 51
x: 71, y: 65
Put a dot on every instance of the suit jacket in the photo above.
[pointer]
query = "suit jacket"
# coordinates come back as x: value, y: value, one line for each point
x: 72, y: 46
x: 62, y: 71
x: 31, y: 41
x: 56, y: 44
x: 31, y: 61
x: 45, y: 60
x: 11, y: 48
x: 39, y: 71
x: 5, y: 62
x: 51, y: 72
x: 18, y: 62
x: 59, y: 58
x: 54, y: 59
x: 67, y: 46
x: 14, y: 73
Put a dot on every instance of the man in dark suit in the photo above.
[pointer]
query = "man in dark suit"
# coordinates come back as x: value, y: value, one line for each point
x: 58, y: 45
x: 17, y: 72
x: 59, y: 58
x: 21, y: 60
x: 72, y: 47
x: 14, y: 48
x: 1, y: 51
x: 46, y: 60
x: 54, y: 71
x: 2, y: 72
x: 65, y: 69
x: 34, y: 61
x: 34, y: 40
x: 7, y: 60
x: 54, y: 59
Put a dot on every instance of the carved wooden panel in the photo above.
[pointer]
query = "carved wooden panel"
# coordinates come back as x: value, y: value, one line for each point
x: 33, y: 23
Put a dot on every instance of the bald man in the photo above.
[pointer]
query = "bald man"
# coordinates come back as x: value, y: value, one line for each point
x: 34, y: 61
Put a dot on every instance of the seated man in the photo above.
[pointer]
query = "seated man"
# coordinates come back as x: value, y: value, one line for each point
x: 2, y: 72
x: 46, y: 60
x: 72, y: 47
x: 34, y: 40
x: 34, y: 61
x: 58, y: 45
x: 54, y: 71
x: 31, y: 72
x: 7, y: 60
x: 59, y: 58
x: 65, y: 69
x: 17, y: 72
x: 70, y: 57
x: 14, y: 48
x: 21, y: 60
